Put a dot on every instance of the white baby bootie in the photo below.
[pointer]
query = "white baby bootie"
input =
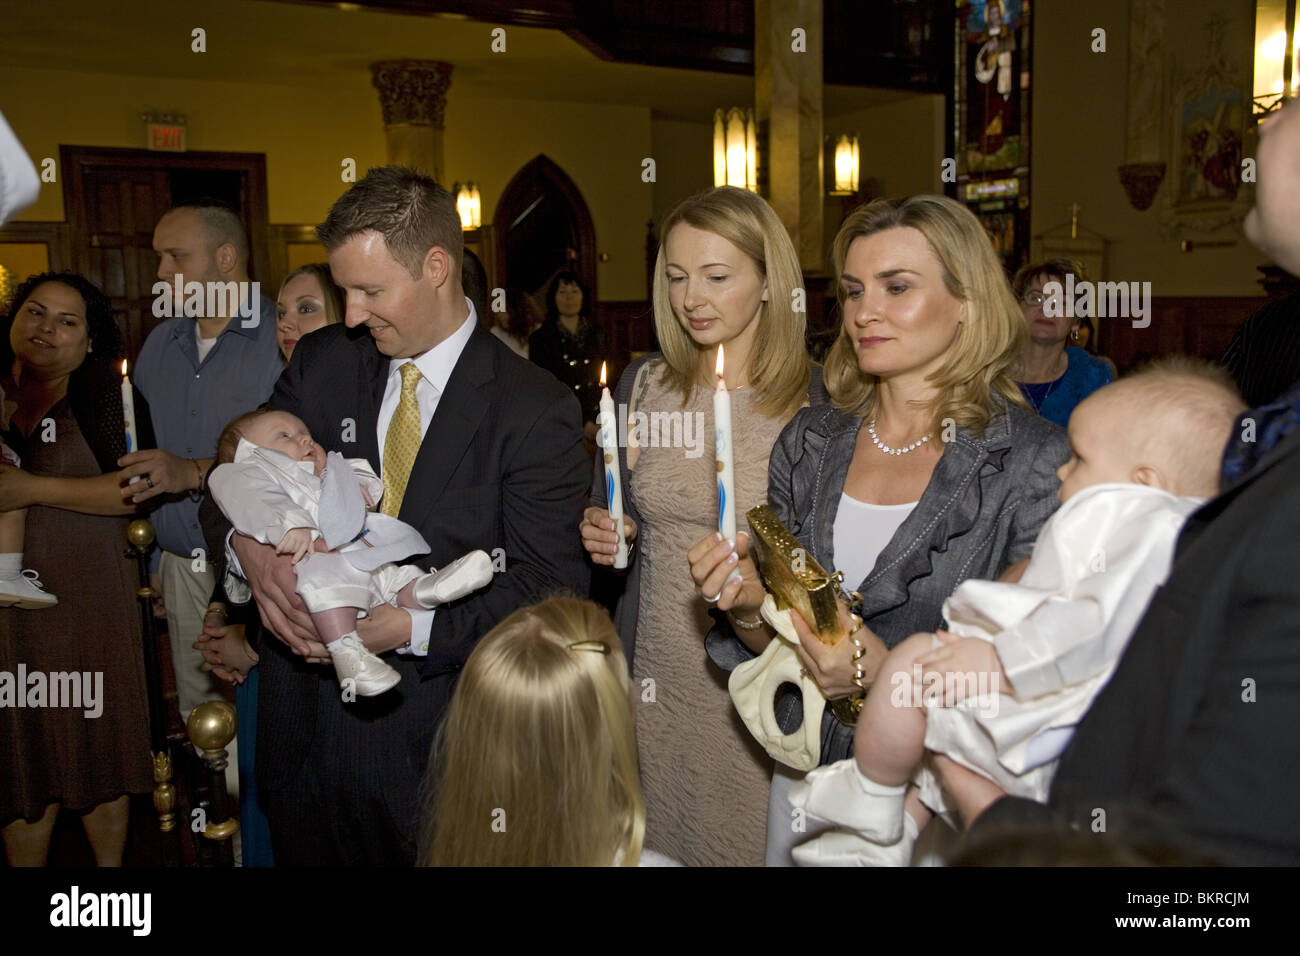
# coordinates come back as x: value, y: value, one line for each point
x: 353, y: 661
x: 463, y: 576
x: 846, y: 848
x: 25, y: 592
x: 840, y: 794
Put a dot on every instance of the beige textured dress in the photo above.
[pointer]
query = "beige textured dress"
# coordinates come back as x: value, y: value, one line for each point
x: 705, y: 779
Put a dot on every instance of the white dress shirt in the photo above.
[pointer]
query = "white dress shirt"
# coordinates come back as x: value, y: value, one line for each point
x: 435, y: 367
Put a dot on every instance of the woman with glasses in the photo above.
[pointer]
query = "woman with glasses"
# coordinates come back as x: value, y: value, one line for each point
x: 1054, y: 378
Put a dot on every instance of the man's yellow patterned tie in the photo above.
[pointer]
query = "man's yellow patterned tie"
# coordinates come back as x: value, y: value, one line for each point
x: 401, y: 443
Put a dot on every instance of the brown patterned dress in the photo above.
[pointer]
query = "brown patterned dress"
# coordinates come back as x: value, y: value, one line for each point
x: 60, y: 754
x: 705, y: 778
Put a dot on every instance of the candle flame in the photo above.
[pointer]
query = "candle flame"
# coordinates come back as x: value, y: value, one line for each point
x: 718, y: 369
x: 602, y: 374
x: 124, y: 368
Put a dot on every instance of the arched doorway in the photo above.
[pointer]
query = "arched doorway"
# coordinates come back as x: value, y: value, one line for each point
x: 543, y: 227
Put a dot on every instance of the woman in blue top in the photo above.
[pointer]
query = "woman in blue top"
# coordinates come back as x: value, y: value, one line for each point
x: 1052, y: 377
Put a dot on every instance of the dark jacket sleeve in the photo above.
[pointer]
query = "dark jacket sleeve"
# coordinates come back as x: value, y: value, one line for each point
x: 543, y: 489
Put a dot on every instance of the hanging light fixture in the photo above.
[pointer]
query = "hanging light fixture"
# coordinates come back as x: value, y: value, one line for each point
x: 469, y: 205
x: 735, y: 149
x: 1277, y: 54
x: 846, y: 166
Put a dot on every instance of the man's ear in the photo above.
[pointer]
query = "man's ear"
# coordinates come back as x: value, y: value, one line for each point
x: 1150, y: 476
x: 437, y: 265
x: 226, y: 258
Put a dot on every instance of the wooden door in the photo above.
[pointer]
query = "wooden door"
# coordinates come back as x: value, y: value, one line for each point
x: 112, y: 200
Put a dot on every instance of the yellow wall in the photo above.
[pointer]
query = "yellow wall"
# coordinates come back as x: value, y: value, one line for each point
x: 1079, y: 127
x: 306, y: 132
x: 683, y: 152
x: 600, y: 148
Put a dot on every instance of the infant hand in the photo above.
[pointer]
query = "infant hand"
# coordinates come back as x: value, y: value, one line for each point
x: 964, y: 656
x: 296, y: 542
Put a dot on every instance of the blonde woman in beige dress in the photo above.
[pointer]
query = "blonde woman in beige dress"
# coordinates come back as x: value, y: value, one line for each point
x: 727, y: 275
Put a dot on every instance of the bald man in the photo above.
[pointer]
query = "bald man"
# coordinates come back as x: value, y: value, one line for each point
x: 212, y: 361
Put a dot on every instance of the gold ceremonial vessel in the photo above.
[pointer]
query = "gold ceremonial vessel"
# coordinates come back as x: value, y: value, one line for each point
x: 793, y: 576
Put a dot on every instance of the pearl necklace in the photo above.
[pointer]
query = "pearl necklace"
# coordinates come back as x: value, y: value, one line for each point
x: 893, y: 451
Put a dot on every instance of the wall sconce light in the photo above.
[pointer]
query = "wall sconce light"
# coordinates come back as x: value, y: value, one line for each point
x: 846, y: 166
x: 1277, y: 39
x: 735, y: 149
x: 469, y: 205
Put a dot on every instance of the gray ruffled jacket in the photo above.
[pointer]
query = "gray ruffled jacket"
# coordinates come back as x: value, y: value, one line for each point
x: 981, y: 512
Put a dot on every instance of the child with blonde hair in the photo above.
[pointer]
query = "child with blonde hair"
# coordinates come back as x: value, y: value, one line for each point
x: 536, y: 764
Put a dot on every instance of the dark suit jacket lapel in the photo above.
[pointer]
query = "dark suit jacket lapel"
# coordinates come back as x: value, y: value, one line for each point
x: 371, y: 379
x: 461, y: 408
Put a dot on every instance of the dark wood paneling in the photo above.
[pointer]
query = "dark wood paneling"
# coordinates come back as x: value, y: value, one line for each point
x: 1200, y: 326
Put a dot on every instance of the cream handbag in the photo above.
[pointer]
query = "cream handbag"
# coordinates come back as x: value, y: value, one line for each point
x: 794, y: 580
x: 754, y: 684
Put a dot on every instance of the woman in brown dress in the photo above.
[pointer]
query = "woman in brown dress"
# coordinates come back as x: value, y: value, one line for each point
x: 60, y: 362
x: 728, y: 276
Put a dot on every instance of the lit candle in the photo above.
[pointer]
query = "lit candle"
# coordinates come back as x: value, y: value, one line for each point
x: 726, y: 467
x: 128, y: 412
x: 613, y: 486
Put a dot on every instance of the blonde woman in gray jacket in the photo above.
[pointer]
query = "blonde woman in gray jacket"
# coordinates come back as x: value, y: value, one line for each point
x: 926, y: 469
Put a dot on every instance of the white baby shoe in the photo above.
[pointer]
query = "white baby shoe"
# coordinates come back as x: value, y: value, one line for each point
x: 26, y: 592
x: 463, y: 576
x: 836, y: 793
x: 846, y: 848
x: 353, y: 661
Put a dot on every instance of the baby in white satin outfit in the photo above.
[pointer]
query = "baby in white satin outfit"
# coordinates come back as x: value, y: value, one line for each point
x: 1001, y: 691
x: 281, y: 488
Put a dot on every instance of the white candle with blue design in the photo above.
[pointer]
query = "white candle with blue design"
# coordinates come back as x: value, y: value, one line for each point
x: 726, y: 467
x: 128, y: 412
x: 609, y: 449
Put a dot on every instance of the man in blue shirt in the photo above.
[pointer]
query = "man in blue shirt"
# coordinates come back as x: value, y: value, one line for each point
x: 213, y: 361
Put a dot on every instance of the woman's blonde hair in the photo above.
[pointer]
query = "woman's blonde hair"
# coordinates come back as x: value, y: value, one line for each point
x: 331, y: 294
x: 778, y: 363
x: 992, y: 333
x: 536, y: 762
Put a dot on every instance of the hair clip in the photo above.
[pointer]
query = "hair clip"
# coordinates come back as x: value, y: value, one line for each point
x: 600, y: 647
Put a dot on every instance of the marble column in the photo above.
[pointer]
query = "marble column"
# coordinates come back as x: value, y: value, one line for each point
x: 788, y: 108
x: 413, y: 94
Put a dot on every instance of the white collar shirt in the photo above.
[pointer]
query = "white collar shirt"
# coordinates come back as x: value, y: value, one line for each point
x: 435, y: 367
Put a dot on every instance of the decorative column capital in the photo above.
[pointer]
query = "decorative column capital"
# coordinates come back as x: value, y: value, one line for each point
x: 412, y: 91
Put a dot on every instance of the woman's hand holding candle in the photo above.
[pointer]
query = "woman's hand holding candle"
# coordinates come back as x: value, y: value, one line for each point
x: 599, y: 537
x: 729, y: 572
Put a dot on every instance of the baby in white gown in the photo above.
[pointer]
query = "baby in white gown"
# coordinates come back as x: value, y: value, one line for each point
x: 281, y: 488
x: 1002, y: 689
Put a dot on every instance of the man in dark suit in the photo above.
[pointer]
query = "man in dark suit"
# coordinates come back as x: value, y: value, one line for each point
x: 477, y: 449
x: 1193, y: 744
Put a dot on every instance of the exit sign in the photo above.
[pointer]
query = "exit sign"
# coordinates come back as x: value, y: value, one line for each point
x: 169, y: 137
